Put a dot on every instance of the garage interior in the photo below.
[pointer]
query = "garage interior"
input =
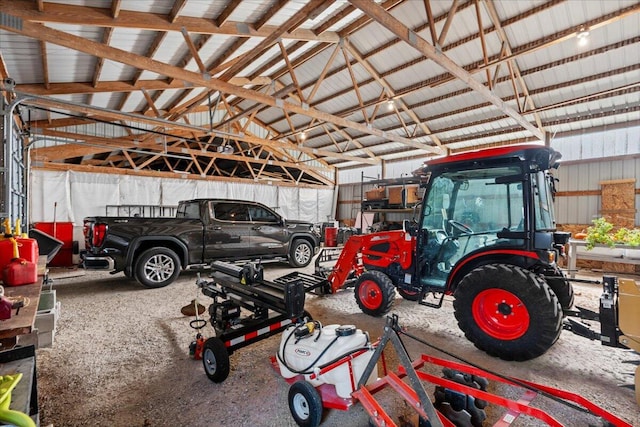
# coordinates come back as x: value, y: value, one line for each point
x: 310, y: 107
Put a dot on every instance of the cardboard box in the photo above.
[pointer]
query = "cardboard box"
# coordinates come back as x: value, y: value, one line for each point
x: 411, y: 194
x: 395, y: 195
x: 375, y: 194
x: 403, y: 196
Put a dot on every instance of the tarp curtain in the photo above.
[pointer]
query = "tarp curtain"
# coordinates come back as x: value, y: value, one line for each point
x: 77, y: 195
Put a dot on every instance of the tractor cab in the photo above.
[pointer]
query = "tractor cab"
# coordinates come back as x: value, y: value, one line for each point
x: 481, y: 207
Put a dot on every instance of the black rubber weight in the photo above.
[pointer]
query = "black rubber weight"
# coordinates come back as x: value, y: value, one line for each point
x: 541, y: 303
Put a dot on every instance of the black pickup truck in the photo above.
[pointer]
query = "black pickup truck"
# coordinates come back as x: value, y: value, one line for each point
x: 155, y: 250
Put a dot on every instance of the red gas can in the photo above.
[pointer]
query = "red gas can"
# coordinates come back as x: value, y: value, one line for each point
x: 19, y: 272
x: 6, y: 252
x: 28, y: 249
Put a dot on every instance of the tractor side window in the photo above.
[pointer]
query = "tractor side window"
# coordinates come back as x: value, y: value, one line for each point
x: 543, y: 197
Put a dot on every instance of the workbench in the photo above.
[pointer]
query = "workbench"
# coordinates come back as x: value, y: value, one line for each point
x: 618, y: 254
x: 22, y: 323
x: 22, y: 359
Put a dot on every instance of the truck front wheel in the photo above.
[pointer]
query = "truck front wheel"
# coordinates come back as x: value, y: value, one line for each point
x: 507, y: 311
x: 301, y: 253
x: 157, y: 267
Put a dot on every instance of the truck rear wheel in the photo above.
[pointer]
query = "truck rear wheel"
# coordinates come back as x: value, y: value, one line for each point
x: 374, y: 293
x: 507, y: 311
x: 157, y: 267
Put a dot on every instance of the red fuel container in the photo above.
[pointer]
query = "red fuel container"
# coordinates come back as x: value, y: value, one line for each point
x: 6, y: 253
x: 28, y: 249
x: 19, y: 272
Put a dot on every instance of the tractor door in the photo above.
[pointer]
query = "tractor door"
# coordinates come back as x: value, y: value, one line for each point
x: 467, y: 212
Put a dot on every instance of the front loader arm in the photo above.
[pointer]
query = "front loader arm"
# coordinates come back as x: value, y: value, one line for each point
x: 360, y: 249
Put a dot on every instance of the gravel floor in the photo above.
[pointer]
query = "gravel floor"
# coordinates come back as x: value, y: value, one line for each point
x: 121, y: 358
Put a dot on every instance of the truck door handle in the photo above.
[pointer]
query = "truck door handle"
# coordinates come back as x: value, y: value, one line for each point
x: 217, y: 228
x: 256, y: 228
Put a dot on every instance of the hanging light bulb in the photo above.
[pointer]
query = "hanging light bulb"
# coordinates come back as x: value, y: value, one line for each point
x: 390, y: 104
x: 583, y: 36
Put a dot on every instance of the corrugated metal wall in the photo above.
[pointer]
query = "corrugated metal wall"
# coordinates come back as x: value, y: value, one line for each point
x: 588, y: 159
x: 576, y: 203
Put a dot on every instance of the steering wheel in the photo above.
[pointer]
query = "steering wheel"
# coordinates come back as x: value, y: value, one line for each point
x: 460, y: 226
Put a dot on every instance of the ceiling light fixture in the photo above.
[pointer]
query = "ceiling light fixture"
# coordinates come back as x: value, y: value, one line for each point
x: 303, y: 136
x: 583, y: 36
x: 390, y: 104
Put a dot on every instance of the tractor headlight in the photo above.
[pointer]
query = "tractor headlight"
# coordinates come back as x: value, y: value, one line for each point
x: 551, y: 255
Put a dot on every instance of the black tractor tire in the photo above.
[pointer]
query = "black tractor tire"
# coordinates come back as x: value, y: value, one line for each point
x: 409, y: 295
x: 374, y: 293
x: 157, y: 267
x: 305, y: 404
x: 301, y: 253
x: 215, y: 360
x: 508, y: 311
x: 563, y: 290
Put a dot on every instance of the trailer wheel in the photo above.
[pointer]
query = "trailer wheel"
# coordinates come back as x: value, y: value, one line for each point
x: 374, y: 293
x: 507, y: 311
x: 301, y: 253
x: 157, y: 267
x: 563, y: 290
x: 215, y: 359
x: 305, y: 404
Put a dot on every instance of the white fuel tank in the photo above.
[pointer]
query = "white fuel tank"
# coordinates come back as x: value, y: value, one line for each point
x: 307, y: 354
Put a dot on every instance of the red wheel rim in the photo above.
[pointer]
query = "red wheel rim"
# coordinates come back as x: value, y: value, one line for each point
x: 370, y: 294
x: 500, y: 314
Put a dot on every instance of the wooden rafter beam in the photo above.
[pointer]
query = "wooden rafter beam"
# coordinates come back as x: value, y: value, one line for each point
x: 81, y: 15
x: 391, y: 92
x: 447, y: 24
x: 45, y: 65
x: 412, y: 39
x: 93, y: 145
x: 176, y: 9
x: 176, y: 126
x: 50, y: 35
x: 106, y: 39
x: 226, y: 12
x: 302, y: 15
x: 115, y: 8
x: 122, y: 86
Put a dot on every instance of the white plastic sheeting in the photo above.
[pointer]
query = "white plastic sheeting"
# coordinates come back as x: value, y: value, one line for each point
x: 76, y: 195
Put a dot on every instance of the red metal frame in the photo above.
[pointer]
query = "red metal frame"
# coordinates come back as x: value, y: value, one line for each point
x: 364, y: 395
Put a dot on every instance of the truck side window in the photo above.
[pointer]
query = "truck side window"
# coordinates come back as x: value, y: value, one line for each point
x: 231, y: 212
x: 189, y: 211
x: 260, y: 214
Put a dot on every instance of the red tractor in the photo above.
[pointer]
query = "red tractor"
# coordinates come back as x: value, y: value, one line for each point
x: 486, y: 234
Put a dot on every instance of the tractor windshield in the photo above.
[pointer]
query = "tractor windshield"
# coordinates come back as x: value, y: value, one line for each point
x: 480, y: 200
